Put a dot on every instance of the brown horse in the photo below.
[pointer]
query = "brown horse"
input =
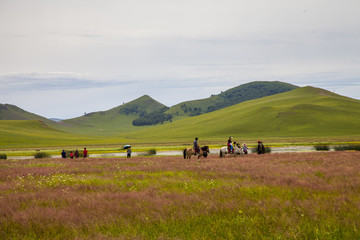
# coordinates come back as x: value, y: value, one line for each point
x: 189, y: 152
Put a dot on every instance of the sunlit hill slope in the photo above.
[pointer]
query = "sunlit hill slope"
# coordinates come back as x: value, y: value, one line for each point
x: 115, y: 120
x: 303, y: 112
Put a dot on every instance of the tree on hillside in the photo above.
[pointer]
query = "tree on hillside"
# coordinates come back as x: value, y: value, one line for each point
x: 153, y: 118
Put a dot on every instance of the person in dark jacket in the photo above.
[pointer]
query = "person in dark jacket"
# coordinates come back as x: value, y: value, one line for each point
x: 260, y: 148
x: 196, y: 146
x: 230, y: 145
x: 63, y: 154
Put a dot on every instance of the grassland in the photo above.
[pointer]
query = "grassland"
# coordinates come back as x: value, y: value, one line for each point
x: 275, y: 196
x: 35, y: 134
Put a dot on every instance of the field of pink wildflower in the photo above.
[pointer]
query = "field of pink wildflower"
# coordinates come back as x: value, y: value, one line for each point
x: 272, y: 196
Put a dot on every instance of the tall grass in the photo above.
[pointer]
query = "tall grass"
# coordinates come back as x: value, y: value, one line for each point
x: 271, y: 196
x: 3, y: 156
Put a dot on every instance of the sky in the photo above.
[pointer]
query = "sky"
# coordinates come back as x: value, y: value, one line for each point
x: 60, y: 59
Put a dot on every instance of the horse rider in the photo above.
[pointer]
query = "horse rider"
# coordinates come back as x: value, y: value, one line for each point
x: 230, y: 146
x: 196, y: 146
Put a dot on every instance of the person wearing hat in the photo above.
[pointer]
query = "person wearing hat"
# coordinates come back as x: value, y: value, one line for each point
x: 230, y: 146
x: 260, y: 148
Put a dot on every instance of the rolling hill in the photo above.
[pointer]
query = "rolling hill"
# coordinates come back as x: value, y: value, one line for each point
x: 34, y: 133
x: 302, y: 113
x: 306, y: 112
x: 145, y: 109
x: 12, y: 112
x: 115, y: 120
x: 120, y: 119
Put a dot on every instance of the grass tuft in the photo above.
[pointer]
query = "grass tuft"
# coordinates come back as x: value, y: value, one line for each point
x: 3, y: 156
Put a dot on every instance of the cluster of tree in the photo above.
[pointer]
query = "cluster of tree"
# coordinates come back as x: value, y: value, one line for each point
x: 239, y: 94
x: 132, y: 110
x: 191, y: 111
x: 153, y: 118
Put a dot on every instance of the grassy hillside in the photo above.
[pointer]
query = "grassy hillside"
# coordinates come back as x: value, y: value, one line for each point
x: 228, y: 98
x: 298, y: 115
x: 32, y: 134
x: 303, y: 112
x: 115, y: 120
x: 12, y: 112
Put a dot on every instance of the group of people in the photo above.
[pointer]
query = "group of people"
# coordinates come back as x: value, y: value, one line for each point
x: 230, y: 145
x: 75, y: 154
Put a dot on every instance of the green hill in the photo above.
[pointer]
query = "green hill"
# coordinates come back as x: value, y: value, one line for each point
x: 300, y: 113
x: 12, y: 112
x: 34, y: 133
x: 115, y: 120
x: 303, y: 113
x: 242, y: 93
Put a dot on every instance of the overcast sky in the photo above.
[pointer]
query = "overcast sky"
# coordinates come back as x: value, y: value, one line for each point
x: 63, y: 58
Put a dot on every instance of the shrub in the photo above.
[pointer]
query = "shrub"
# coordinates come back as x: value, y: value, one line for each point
x: 322, y: 148
x: 347, y: 148
x: 255, y: 149
x: 42, y: 155
x: 267, y: 149
x: 3, y: 156
x: 148, y: 153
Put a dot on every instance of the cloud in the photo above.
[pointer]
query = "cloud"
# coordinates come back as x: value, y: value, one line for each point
x: 171, y: 50
x: 53, y: 81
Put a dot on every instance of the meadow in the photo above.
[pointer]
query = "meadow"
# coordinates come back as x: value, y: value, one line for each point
x: 271, y: 196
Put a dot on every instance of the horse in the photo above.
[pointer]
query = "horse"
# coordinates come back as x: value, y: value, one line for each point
x: 189, y: 152
x: 237, y: 151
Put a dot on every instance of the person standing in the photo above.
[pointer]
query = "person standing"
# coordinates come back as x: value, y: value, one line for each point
x: 71, y: 155
x: 260, y: 148
x: 76, y: 154
x: 129, y: 152
x: 85, y: 153
x: 230, y: 146
x: 63, y: 154
x: 245, y: 148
